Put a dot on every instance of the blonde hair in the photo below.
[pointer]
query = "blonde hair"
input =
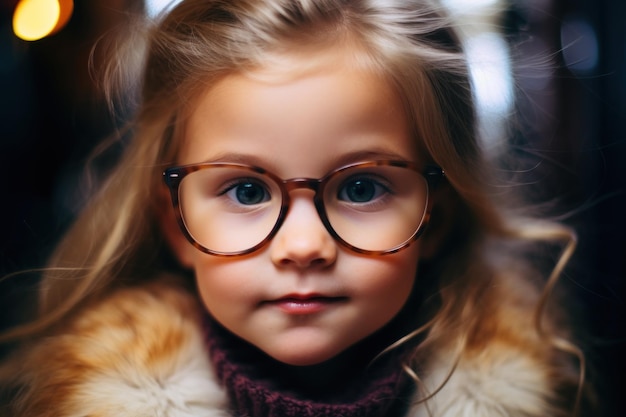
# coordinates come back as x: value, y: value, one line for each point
x: 116, y: 240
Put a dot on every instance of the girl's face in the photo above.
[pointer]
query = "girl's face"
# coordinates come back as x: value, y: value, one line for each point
x: 302, y: 299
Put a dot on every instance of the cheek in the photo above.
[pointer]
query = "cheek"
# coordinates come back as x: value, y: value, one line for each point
x: 224, y: 286
x: 388, y: 281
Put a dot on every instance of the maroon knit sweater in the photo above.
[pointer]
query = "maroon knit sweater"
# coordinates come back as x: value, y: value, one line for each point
x: 259, y: 386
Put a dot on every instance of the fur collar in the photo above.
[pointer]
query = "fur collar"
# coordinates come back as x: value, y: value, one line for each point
x: 140, y: 352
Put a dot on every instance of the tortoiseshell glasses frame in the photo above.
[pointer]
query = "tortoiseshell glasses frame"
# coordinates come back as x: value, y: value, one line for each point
x: 429, y: 176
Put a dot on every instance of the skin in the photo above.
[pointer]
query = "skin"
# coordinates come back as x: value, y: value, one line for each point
x: 300, y: 116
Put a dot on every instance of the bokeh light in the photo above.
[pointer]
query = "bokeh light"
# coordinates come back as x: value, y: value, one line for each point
x: 36, y: 19
x: 579, y: 45
x: 155, y: 7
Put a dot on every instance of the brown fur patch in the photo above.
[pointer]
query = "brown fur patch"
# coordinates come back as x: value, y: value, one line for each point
x: 133, y: 328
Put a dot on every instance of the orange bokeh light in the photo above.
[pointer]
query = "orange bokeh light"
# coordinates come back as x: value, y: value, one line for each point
x: 36, y: 19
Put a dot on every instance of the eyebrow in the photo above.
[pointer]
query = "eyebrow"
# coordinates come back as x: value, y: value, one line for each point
x: 334, y: 161
x: 235, y: 157
x: 367, y: 155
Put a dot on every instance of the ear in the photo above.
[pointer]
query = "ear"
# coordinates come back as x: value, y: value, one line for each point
x: 440, y: 225
x: 176, y: 240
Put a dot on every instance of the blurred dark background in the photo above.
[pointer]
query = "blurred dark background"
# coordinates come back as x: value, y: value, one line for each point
x: 52, y: 116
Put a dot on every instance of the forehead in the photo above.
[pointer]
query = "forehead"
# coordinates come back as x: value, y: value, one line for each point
x: 299, y: 105
x: 293, y: 60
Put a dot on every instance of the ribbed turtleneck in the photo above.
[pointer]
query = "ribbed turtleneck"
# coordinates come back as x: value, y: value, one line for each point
x: 259, y: 386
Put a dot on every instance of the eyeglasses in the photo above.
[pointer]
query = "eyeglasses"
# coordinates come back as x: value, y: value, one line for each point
x: 373, y: 208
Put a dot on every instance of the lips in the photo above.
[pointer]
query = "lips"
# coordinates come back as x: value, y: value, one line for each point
x: 303, y: 304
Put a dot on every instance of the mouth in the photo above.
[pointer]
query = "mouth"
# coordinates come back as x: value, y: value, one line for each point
x: 303, y: 304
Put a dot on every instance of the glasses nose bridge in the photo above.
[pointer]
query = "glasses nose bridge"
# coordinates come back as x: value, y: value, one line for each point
x: 312, y: 184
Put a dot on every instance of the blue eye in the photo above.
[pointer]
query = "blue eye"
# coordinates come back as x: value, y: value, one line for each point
x: 361, y: 190
x: 248, y: 193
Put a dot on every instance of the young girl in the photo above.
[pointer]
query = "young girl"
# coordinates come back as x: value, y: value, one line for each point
x: 262, y: 248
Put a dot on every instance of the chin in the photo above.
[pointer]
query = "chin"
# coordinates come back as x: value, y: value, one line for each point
x: 302, y: 360
x: 297, y: 356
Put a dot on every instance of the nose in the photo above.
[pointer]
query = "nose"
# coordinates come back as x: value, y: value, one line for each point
x: 303, y: 241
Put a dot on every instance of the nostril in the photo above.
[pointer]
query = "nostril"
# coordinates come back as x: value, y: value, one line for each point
x: 318, y: 262
x: 315, y: 262
x: 286, y: 262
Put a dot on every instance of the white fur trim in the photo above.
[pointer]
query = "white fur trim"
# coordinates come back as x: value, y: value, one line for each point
x: 180, y: 385
x: 499, y: 383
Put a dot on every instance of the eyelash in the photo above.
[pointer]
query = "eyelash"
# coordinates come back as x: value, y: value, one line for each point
x: 382, y: 191
x: 232, y: 185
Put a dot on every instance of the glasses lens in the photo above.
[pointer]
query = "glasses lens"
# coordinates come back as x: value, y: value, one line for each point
x: 229, y: 209
x: 376, y: 208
